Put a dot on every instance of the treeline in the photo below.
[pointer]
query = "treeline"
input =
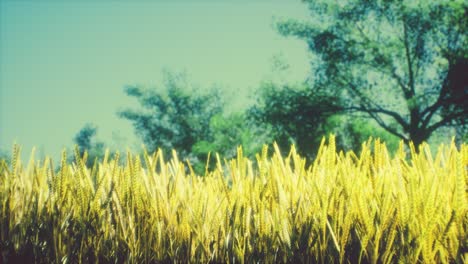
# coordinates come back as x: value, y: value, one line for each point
x: 394, y: 70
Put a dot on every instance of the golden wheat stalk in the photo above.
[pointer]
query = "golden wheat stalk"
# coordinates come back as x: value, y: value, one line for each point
x: 346, y: 207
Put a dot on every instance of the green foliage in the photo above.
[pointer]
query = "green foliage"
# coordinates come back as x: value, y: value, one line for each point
x: 401, y: 63
x: 86, y: 142
x: 352, y: 130
x: 176, y: 116
x: 294, y: 114
x: 227, y: 134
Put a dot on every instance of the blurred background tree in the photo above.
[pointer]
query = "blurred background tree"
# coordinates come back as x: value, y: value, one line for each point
x: 294, y: 114
x: 86, y: 141
x: 228, y: 133
x: 175, y: 116
x: 391, y: 70
x: 402, y: 64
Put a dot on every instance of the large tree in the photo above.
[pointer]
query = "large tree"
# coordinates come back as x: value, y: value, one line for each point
x: 402, y: 63
x: 294, y: 114
x: 175, y: 116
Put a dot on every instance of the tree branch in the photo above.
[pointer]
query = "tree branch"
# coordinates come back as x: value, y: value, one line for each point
x: 385, y: 126
x: 392, y: 114
x: 431, y: 110
x: 409, y: 62
x: 363, y: 98
x: 446, y: 120
x: 400, y: 82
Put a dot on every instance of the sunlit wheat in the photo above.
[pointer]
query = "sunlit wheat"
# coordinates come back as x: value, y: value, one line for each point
x: 345, y: 208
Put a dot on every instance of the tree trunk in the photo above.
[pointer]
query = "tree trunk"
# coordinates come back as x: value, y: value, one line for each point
x: 418, y: 135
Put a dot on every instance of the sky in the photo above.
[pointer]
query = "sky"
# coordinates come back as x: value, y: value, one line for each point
x: 65, y: 63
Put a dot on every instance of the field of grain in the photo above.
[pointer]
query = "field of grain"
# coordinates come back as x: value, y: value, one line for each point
x: 411, y: 207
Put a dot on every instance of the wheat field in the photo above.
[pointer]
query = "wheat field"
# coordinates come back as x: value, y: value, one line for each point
x: 410, y: 207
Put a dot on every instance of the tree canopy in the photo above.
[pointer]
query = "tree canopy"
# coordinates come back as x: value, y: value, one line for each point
x: 86, y: 142
x: 401, y: 63
x: 293, y: 114
x: 175, y: 116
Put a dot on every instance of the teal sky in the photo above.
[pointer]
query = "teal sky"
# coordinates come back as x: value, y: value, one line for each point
x: 65, y: 63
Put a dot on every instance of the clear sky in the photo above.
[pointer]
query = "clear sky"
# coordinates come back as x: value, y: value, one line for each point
x: 65, y: 63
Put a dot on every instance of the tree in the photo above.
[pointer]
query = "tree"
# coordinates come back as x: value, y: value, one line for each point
x: 86, y: 142
x: 401, y: 63
x: 176, y: 116
x: 227, y: 134
x: 293, y: 114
